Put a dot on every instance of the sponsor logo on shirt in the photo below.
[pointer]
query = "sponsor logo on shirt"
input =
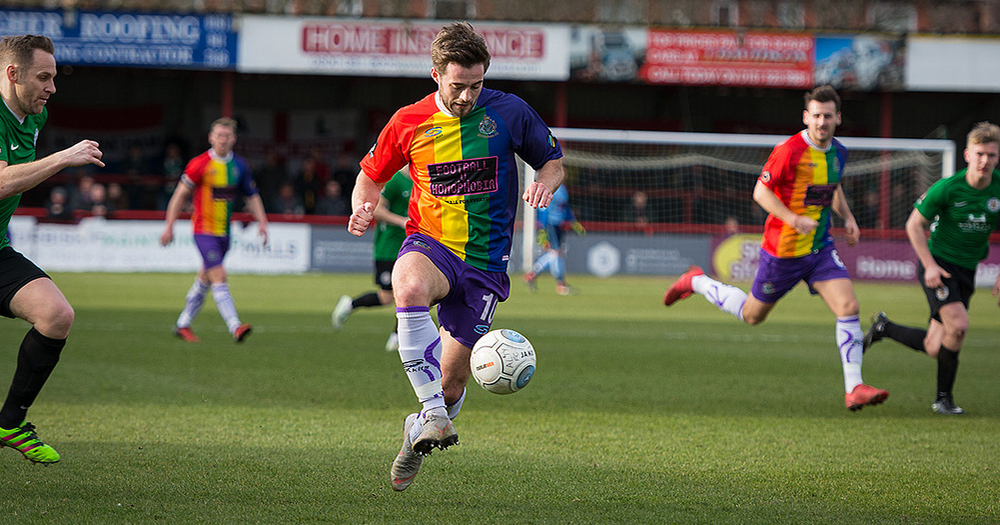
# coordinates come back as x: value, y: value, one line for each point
x: 463, y: 177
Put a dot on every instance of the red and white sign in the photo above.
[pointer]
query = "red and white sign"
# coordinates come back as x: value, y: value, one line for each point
x: 729, y: 58
x: 392, y: 47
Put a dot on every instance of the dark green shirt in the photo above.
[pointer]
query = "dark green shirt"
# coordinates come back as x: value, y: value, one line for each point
x: 389, y: 238
x: 17, y: 146
x: 962, y: 218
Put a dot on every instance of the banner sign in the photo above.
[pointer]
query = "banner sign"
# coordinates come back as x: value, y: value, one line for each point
x: 392, y: 48
x: 99, y: 245
x: 860, y: 62
x: 729, y: 58
x: 123, y: 39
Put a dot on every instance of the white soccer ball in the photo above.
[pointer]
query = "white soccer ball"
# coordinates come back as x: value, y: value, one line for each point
x: 503, y: 361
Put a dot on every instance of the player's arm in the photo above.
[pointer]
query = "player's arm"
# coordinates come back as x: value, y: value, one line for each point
x: 382, y: 214
x: 19, y: 178
x: 177, y: 200
x: 538, y: 194
x: 773, y: 205
x: 256, y: 206
x: 364, y: 198
x: 916, y: 230
x: 843, y: 209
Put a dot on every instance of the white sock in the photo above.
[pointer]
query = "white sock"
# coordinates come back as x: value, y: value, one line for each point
x: 543, y: 262
x: 420, y: 352
x: 226, y: 306
x: 850, y: 339
x: 456, y: 407
x: 192, y: 303
x: 725, y: 297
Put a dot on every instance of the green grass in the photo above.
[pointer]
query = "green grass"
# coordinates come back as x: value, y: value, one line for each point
x: 637, y: 414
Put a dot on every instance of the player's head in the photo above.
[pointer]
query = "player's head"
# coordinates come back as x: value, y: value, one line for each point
x: 29, y: 71
x: 222, y: 136
x: 982, y: 149
x: 460, y: 59
x: 821, y: 114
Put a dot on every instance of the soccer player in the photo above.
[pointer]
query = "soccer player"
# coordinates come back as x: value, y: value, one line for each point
x: 799, y: 187
x: 215, y: 179
x: 391, y: 214
x: 554, y: 221
x: 460, y: 143
x: 26, y: 292
x: 961, y: 212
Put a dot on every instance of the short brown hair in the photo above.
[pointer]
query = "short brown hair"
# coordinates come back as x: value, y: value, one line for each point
x: 983, y: 133
x: 823, y: 94
x: 224, y: 121
x: 20, y: 49
x: 461, y: 44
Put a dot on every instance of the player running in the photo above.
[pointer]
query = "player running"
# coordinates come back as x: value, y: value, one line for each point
x: 389, y: 234
x: 799, y: 187
x: 964, y: 210
x: 554, y: 220
x: 460, y: 143
x: 26, y: 292
x: 215, y: 179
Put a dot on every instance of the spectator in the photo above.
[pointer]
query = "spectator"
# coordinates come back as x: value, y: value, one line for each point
x: 333, y: 202
x: 270, y: 174
x: 99, y: 200
x: 308, y: 184
x: 80, y: 200
x: 58, y: 205
x: 286, y: 201
x: 117, y: 199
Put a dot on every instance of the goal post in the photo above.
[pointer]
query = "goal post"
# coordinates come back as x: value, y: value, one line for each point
x: 655, y: 202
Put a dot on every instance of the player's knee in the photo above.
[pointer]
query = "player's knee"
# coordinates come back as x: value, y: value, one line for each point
x: 754, y: 319
x: 57, y: 321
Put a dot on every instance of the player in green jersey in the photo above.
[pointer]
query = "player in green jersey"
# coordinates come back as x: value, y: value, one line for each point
x: 961, y: 212
x: 26, y: 292
x: 391, y: 214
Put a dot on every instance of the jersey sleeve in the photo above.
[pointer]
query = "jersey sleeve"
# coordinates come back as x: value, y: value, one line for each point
x: 533, y: 141
x: 246, y: 183
x: 194, y: 171
x: 776, y: 169
x: 388, y: 155
x: 930, y: 203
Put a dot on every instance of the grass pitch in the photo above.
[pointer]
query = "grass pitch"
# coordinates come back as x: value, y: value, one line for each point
x: 636, y: 414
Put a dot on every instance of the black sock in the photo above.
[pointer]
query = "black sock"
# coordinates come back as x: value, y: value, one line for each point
x: 35, y: 361
x: 905, y: 335
x: 947, y: 370
x: 368, y: 299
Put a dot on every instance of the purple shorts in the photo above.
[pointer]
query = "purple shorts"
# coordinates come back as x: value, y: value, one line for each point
x: 467, y: 311
x: 776, y: 276
x: 213, y: 249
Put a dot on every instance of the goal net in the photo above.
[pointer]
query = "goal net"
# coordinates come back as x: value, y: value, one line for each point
x: 662, y: 195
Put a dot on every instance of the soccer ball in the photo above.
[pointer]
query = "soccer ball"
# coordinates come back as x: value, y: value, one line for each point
x: 503, y: 361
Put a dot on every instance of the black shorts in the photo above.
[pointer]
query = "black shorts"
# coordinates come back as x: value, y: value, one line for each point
x: 15, y: 272
x: 959, y: 287
x: 383, y: 274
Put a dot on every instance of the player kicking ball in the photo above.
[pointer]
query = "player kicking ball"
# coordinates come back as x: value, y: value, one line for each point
x: 799, y: 187
x: 460, y: 143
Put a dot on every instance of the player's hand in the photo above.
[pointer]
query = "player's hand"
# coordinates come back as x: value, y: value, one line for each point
x: 853, y: 232
x: 360, y: 219
x: 537, y: 195
x: 578, y: 228
x: 167, y: 237
x: 542, y: 238
x: 262, y: 230
x: 803, y: 224
x: 934, y: 276
x: 84, y: 152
